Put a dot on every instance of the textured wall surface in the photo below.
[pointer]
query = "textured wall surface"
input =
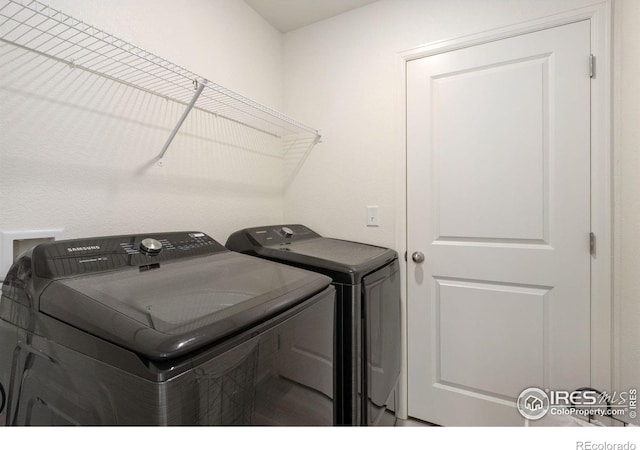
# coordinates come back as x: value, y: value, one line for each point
x: 627, y: 218
x: 76, y: 149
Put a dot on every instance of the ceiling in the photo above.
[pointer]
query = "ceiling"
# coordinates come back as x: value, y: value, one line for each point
x: 288, y: 15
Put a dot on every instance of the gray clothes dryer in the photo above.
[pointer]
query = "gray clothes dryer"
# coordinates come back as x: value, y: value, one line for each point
x: 163, y: 329
x: 367, y: 283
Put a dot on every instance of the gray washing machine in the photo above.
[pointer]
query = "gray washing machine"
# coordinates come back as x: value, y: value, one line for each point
x: 367, y: 282
x: 163, y: 329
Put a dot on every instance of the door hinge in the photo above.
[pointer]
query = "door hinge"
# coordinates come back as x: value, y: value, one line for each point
x: 592, y: 243
x: 592, y: 66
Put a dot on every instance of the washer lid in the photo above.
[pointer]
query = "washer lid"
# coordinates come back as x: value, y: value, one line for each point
x: 180, y: 306
x: 344, y: 261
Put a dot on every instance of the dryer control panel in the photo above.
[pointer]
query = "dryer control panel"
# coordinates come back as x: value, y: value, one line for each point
x: 273, y: 235
x: 81, y: 256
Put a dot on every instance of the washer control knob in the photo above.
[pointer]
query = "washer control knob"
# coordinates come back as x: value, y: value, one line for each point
x: 150, y: 246
x: 287, y: 232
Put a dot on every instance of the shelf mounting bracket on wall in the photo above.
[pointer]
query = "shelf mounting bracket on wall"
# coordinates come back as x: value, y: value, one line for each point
x: 199, y: 86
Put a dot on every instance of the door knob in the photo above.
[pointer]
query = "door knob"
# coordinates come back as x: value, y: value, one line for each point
x: 418, y: 257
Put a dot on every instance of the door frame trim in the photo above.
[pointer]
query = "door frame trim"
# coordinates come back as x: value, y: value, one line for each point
x: 600, y: 16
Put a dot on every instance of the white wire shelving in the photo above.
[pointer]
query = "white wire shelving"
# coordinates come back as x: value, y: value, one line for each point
x: 34, y: 26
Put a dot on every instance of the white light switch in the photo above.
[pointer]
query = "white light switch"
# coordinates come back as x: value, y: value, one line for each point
x: 372, y: 216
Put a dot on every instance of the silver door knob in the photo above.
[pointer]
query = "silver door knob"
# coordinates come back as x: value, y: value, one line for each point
x: 418, y: 257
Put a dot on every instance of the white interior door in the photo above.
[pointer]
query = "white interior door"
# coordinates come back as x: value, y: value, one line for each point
x: 498, y: 202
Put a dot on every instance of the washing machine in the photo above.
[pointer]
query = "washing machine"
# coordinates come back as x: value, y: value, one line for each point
x: 163, y: 329
x: 367, y: 282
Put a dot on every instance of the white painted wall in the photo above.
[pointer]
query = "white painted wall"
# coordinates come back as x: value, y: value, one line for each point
x: 75, y: 149
x: 343, y: 74
x: 627, y: 186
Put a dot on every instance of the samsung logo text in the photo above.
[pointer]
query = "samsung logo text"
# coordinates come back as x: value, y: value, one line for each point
x: 83, y: 249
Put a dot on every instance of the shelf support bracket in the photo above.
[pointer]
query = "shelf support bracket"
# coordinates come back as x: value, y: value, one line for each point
x: 199, y: 85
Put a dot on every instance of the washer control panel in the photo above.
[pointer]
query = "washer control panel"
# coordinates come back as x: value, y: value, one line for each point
x: 80, y: 256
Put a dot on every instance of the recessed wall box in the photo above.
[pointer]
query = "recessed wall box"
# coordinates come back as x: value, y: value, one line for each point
x: 14, y: 243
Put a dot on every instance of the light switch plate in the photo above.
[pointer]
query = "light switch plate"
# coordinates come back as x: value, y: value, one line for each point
x: 372, y: 216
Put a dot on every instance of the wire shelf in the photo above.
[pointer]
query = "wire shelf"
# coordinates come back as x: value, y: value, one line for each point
x: 39, y: 28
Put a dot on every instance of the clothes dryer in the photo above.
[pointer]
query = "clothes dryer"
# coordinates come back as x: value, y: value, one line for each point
x: 367, y: 283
